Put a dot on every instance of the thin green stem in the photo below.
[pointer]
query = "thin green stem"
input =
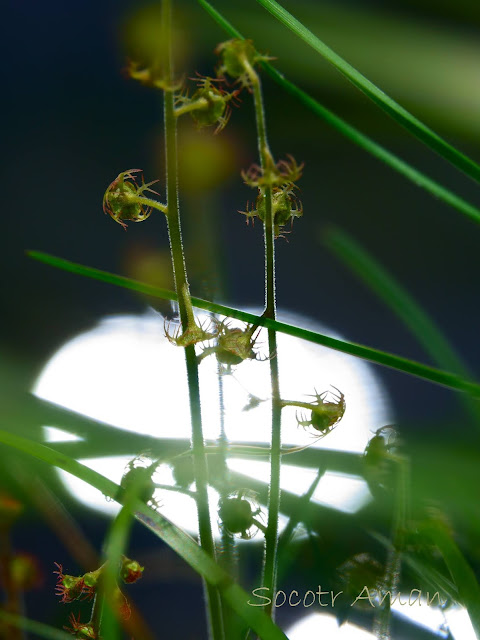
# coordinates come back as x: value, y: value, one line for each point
x: 227, y: 554
x: 381, y: 626
x: 201, y: 103
x: 353, y: 134
x: 115, y: 546
x: 267, y: 163
x: 215, y: 623
x: 148, y: 202
x: 287, y: 552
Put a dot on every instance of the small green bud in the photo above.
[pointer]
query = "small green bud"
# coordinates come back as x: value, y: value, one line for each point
x: 233, y: 346
x: 81, y: 629
x: 120, y: 201
x: 92, y: 577
x: 70, y: 588
x: 183, y: 471
x: 324, y: 414
x: 235, y: 54
x: 285, y: 208
x: 377, y: 460
x: 237, y: 513
x: 137, y: 477
x: 130, y: 570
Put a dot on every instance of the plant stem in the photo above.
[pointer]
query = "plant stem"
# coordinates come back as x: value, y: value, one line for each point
x: 215, y: 622
x: 201, y: 103
x: 148, y: 202
x: 267, y: 163
x: 381, y: 624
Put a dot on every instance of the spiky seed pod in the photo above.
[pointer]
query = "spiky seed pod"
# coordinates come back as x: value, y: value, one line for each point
x: 213, y: 104
x: 130, y: 570
x: 324, y: 414
x: 237, y: 513
x: 81, y: 629
x: 120, y: 200
x: 234, y: 56
x: 183, y: 471
x: 137, y: 477
x: 285, y: 208
x: 377, y: 460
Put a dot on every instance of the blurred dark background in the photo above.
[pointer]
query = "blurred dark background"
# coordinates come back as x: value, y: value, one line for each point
x: 72, y: 122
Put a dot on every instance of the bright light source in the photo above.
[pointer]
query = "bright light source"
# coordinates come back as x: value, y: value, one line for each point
x: 325, y: 626
x: 125, y: 372
x: 454, y: 619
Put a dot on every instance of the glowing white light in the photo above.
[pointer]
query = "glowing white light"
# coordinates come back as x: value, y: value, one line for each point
x: 326, y: 626
x: 124, y: 372
x: 455, y: 618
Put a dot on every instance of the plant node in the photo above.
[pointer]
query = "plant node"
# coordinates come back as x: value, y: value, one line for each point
x: 233, y: 346
x: 284, y: 173
x: 192, y: 335
x: 238, y: 59
x: 209, y: 105
x: 285, y: 207
x: 151, y: 76
x: 81, y: 629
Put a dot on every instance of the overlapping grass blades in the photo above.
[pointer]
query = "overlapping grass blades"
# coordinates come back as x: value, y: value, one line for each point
x: 356, y: 136
x: 396, y: 111
x: 177, y: 539
x: 392, y: 361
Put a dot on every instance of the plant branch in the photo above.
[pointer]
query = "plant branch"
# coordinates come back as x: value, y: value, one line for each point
x: 181, y: 284
x: 267, y: 164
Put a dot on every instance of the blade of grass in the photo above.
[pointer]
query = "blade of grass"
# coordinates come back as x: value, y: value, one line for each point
x: 177, y: 539
x: 359, y: 351
x: 201, y: 562
x: 115, y: 547
x: 376, y: 277
x: 402, y: 304
x: 461, y: 572
x: 40, y: 629
x: 353, y: 134
x: 397, y: 112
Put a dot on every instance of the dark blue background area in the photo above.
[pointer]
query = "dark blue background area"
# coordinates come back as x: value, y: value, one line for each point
x: 72, y: 121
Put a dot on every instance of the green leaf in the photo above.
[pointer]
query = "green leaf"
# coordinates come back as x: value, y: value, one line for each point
x: 178, y: 540
x: 403, y: 305
x: 392, y: 361
x: 40, y: 629
x: 375, y: 276
x: 356, y: 136
x: 461, y: 572
x: 397, y: 112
